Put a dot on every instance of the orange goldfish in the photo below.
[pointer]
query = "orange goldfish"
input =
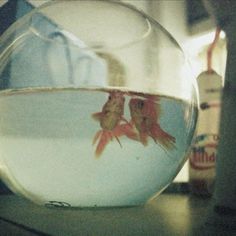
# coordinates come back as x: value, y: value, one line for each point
x: 144, y: 116
x: 110, y: 119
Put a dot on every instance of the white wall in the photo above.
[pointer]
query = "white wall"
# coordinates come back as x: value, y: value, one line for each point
x: 171, y: 15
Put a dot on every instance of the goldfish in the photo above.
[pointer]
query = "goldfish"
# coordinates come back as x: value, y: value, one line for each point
x: 112, y: 122
x: 144, y: 116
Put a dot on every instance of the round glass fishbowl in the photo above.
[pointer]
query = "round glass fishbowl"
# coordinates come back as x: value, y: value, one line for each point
x: 98, y: 105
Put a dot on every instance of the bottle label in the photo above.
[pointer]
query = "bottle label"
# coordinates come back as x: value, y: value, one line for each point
x: 203, y: 153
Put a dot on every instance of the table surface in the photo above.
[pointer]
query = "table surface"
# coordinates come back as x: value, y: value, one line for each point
x: 168, y: 214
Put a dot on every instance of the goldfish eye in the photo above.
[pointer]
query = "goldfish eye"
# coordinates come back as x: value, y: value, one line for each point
x: 109, y: 98
x: 140, y: 104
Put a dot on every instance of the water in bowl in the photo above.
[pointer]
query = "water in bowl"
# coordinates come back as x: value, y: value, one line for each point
x: 47, y: 152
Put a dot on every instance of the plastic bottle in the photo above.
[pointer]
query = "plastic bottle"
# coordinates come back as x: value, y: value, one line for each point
x: 202, y: 159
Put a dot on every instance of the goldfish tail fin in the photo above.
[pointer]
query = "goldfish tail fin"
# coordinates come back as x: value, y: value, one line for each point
x: 118, y: 141
x: 96, y: 137
x: 127, y: 130
x: 143, y: 138
x: 166, y: 141
x: 105, y: 137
